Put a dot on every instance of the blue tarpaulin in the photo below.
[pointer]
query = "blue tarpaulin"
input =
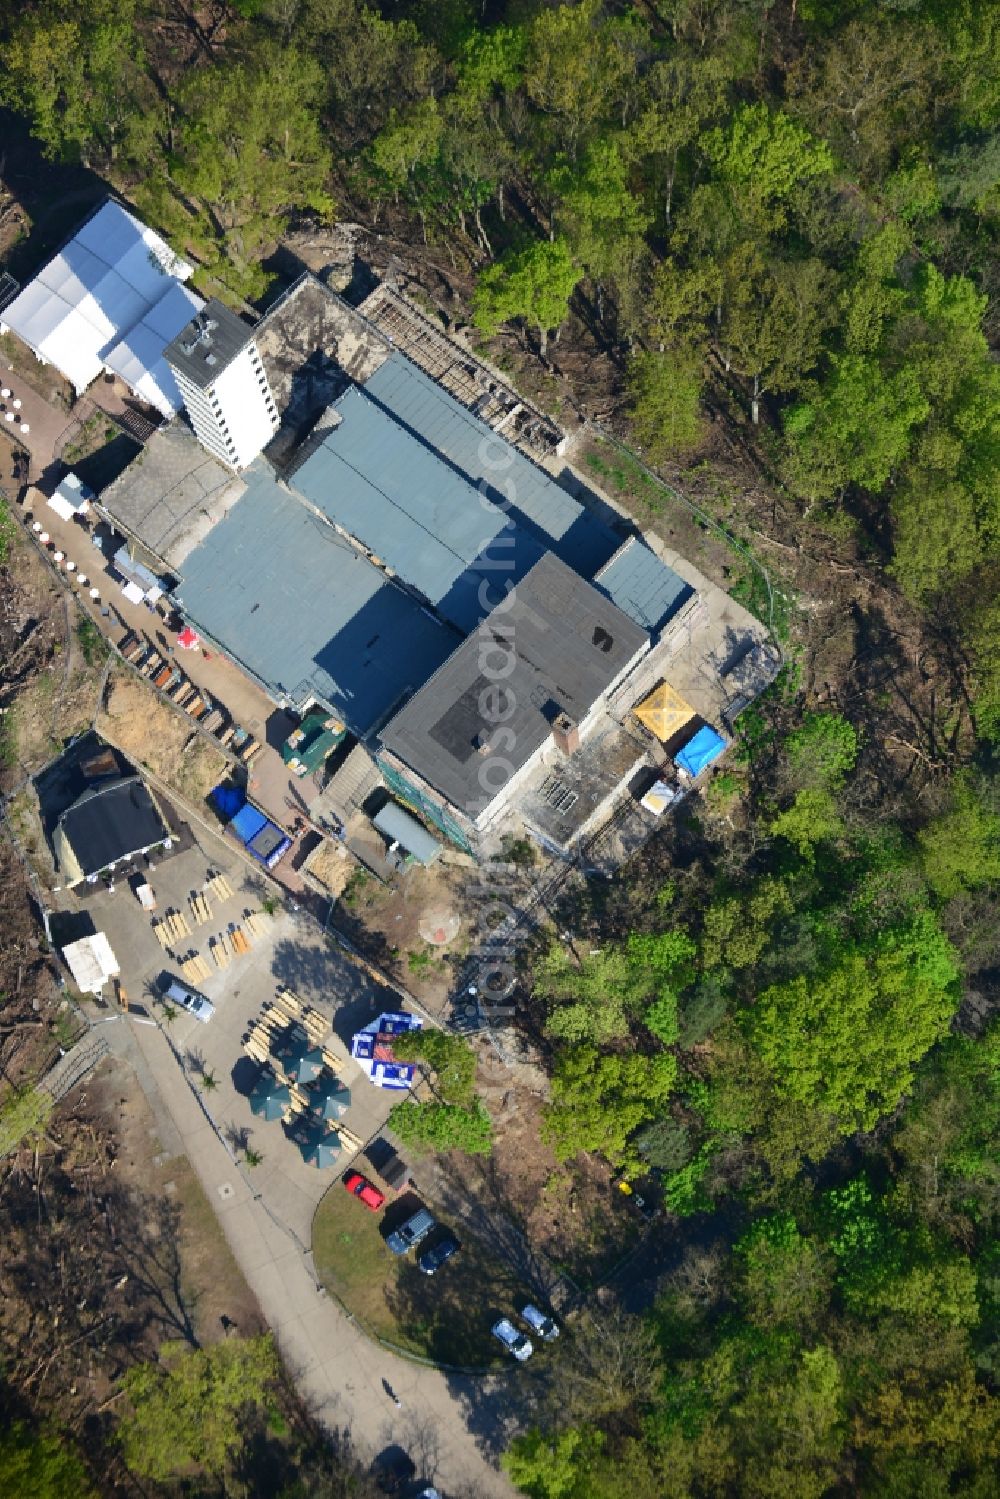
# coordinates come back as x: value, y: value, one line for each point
x: 247, y: 823
x: 227, y: 801
x: 256, y: 832
x: 700, y: 751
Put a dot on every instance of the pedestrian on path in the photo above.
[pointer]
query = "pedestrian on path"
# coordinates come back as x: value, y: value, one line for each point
x: 387, y: 1387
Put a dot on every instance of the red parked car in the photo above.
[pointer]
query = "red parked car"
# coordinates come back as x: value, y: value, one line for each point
x: 360, y: 1186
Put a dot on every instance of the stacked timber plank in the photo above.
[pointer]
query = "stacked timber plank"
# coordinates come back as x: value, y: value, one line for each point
x: 219, y: 886
x: 315, y: 1025
x: 256, y: 923
x: 195, y: 969
x: 239, y: 940
x: 171, y: 928
x: 200, y: 909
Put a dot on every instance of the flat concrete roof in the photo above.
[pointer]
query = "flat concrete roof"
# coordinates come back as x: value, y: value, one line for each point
x: 172, y: 495
x: 554, y: 646
x: 561, y: 798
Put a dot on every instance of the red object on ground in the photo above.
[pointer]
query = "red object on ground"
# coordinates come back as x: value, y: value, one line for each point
x: 187, y: 639
x: 359, y: 1186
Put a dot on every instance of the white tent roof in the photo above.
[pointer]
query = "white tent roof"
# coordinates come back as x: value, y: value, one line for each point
x: 71, y: 498
x: 105, y: 281
x: 91, y: 962
x: 138, y: 357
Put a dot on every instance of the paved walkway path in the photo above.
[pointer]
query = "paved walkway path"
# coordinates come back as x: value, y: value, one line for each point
x: 452, y: 1426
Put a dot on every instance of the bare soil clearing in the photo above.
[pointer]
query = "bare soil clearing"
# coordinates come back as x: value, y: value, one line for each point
x: 48, y: 689
x: 207, y: 1283
x: 151, y: 734
x: 33, y: 1020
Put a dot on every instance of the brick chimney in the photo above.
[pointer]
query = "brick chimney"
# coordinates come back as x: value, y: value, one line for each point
x: 565, y: 733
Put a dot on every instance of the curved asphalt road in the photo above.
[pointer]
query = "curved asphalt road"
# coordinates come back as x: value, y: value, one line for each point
x: 452, y: 1426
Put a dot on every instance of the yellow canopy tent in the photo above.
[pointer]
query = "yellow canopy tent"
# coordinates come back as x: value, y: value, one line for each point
x: 664, y: 711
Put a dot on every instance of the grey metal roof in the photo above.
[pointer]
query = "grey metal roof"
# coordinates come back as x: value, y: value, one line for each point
x: 554, y: 646
x: 401, y: 828
x: 642, y: 586
x: 413, y: 510
x: 208, y: 343
x: 304, y: 612
x: 172, y: 495
x: 506, y: 476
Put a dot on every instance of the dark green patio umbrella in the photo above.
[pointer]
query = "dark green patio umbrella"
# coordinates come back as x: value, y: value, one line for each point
x: 299, y: 1059
x: 269, y: 1098
x: 321, y: 1148
x: 329, y: 1098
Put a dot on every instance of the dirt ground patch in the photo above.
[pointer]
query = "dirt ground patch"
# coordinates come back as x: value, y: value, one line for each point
x: 384, y: 922
x: 48, y: 685
x: 151, y: 734
x: 34, y: 1020
x: 18, y: 359
x: 204, y: 1284
x: 446, y: 1316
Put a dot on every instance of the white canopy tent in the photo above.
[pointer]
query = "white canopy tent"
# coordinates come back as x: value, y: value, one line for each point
x: 138, y: 357
x: 71, y: 498
x: 103, y: 283
x: 91, y: 962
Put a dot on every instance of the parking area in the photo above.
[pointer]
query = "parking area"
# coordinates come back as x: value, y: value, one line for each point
x: 286, y: 950
x: 445, y: 1316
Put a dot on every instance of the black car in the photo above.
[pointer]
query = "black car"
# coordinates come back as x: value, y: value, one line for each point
x: 432, y: 1259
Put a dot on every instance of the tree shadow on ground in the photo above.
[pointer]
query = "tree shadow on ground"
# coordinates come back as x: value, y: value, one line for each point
x: 324, y: 977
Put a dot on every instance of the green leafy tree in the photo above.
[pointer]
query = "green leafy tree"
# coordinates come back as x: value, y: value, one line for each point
x: 573, y: 72
x: 812, y: 818
x: 601, y: 219
x: 764, y: 155
x: 449, y: 1058
x: 74, y: 68
x: 908, y: 1429
x: 845, y: 1039
x: 823, y: 750
x: 533, y: 285
x: 599, y: 1101
x: 246, y: 149
x: 857, y: 429
x: 666, y: 392
x: 39, y: 1463
x: 404, y: 154
x: 737, y: 929
x: 594, y: 994
x: 444, y: 1126
x: 598, y: 991
x: 960, y: 850
x: 783, y: 1278
x: 189, y: 1411
x: 546, y: 1466
x: 24, y: 1115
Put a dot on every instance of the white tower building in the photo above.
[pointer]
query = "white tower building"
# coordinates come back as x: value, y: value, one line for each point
x: 220, y: 374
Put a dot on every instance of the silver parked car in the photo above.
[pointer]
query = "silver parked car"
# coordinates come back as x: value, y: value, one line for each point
x: 515, y: 1342
x: 411, y: 1233
x: 546, y: 1327
x: 176, y: 993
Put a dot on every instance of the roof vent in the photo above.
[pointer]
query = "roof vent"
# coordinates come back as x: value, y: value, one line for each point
x: 602, y: 639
